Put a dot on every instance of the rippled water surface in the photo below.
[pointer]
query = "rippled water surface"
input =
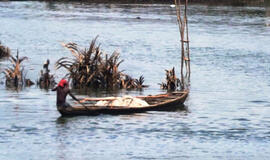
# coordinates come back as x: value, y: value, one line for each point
x: 227, y: 114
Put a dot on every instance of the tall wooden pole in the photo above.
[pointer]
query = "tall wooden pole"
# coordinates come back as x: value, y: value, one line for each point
x: 183, y: 30
x: 187, y: 47
x: 180, y: 25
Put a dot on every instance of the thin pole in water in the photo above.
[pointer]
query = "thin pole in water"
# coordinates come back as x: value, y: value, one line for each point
x: 183, y: 29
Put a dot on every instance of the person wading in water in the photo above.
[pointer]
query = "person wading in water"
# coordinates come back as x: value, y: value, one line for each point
x: 62, y: 90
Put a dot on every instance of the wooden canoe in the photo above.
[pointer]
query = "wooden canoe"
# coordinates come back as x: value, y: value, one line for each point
x: 156, y: 103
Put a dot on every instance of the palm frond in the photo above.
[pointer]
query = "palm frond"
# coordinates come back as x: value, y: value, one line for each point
x: 92, y: 67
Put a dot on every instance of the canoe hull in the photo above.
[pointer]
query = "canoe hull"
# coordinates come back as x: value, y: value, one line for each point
x: 168, y: 105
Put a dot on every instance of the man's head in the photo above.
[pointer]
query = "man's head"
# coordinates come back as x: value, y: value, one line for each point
x: 63, y: 83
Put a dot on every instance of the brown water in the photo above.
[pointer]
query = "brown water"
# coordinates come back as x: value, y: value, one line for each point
x: 226, y: 114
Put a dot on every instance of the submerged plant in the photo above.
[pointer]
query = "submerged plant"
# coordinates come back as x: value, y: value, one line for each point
x: 92, y: 68
x: 171, y: 81
x: 4, y: 51
x: 46, y: 80
x: 15, y: 75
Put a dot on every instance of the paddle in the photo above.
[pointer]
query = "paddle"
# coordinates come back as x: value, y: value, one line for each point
x: 99, y: 99
x: 83, y: 105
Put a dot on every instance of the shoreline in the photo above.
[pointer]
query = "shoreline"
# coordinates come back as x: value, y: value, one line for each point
x: 205, y: 2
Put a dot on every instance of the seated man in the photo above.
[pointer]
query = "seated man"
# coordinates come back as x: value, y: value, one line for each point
x: 62, y: 90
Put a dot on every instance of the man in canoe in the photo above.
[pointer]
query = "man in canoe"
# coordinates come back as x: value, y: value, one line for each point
x: 62, y: 90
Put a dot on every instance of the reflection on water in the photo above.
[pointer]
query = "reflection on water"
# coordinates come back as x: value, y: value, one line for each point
x: 267, y: 12
x: 225, y: 117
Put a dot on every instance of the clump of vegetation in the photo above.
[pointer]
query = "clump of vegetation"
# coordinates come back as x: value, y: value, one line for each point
x: 129, y: 83
x: 172, y: 83
x: 92, y: 68
x: 46, y: 79
x: 15, y: 75
x: 4, y: 51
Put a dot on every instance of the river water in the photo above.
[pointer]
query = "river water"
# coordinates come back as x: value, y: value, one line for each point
x: 227, y: 114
